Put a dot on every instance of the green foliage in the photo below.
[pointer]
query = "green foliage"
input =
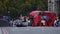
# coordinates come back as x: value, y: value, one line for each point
x: 22, y: 6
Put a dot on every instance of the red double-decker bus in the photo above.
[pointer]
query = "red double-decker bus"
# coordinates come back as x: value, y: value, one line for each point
x: 42, y: 18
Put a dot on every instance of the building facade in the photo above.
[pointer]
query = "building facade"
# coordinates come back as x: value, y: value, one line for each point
x: 54, y: 5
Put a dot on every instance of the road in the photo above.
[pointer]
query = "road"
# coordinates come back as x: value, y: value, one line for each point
x: 30, y: 30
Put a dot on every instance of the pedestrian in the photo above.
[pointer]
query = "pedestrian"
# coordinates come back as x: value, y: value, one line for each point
x: 57, y: 22
x: 17, y: 23
x: 11, y: 22
x: 25, y: 22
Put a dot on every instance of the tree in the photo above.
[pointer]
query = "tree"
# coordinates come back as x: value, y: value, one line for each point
x: 22, y: 6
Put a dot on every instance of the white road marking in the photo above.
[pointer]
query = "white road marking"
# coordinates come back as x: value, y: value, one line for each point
x: 4, y: 31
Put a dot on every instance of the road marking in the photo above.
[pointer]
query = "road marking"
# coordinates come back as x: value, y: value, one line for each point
x: 4, y: 31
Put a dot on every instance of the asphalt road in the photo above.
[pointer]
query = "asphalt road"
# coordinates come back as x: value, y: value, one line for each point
x: 30, y: 30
